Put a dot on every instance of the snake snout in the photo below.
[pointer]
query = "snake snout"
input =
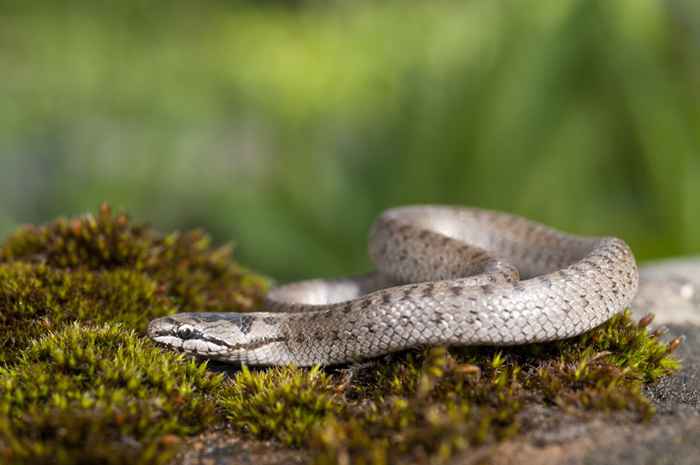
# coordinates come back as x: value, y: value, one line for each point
x: 160, y: 327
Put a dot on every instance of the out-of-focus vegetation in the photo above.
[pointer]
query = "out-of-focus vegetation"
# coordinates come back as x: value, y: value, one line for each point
x: 287, y: 126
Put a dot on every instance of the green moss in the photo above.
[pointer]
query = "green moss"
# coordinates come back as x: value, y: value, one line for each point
x: 103, y: 268
x: 35, y: 298
x: 74, y: 388
x: 424, y: 406
x: 606, y: 369
x: 185, y: 266
x: 285, y: 403
x: 100, y: 395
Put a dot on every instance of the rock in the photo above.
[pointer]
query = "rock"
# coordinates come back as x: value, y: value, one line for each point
x: 664, y: 441
x: 224, y: 448
x: 671, y: 437
x: 671, y: 290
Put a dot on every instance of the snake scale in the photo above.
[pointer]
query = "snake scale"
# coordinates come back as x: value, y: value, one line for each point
x: 445, y: 276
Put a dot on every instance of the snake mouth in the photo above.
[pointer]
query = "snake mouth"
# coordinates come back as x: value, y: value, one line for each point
x: 203, y: 349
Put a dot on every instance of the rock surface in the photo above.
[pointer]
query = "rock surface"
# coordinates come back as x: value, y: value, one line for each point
x: 671, y: 437
x: 670, y: 290
x: 224, y: 448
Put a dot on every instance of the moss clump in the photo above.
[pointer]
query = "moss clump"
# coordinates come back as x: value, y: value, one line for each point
x: 100, y: 395
x: 285, y: 403
x: 605, y: 369
x: 104, y: 268
x: 184, y: 265
x: 74, y: 388
x: 423, y: 406
x: 35, y: 298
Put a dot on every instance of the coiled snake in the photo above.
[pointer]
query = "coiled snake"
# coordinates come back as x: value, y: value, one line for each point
x: 446, y: 276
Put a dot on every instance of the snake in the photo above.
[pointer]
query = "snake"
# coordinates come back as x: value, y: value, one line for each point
x: 444, y: 275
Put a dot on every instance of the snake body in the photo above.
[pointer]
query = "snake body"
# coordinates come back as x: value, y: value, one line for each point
x: 446, y: 276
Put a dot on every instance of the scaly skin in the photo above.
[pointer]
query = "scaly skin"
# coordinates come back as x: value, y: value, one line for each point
x: 446, y: 276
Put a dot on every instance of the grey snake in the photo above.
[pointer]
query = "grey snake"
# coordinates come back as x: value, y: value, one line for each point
x: 445, y: 276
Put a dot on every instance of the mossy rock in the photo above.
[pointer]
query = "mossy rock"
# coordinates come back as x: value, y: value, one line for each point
x: 104, y: 268
x: 424, y: 406
x: 100, y: 395
x: 80, y: 383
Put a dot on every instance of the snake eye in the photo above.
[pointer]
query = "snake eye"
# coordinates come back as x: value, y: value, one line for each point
x: 185, y: 332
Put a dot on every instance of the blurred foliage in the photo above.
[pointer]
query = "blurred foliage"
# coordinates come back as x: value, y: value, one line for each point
x: 289, y: 125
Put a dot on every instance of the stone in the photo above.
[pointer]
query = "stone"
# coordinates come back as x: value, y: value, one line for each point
x: 671, y: 290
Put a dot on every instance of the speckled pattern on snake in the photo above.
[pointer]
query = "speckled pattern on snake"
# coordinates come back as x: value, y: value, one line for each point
x: 445, y: 276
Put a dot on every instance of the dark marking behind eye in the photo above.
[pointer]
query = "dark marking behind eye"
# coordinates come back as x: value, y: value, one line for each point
x: 246, y: 323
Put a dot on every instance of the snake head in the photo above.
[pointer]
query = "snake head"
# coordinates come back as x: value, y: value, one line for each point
x: 230, y: 337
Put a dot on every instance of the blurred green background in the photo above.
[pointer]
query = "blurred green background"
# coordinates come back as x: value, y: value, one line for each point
x: 286, y: 127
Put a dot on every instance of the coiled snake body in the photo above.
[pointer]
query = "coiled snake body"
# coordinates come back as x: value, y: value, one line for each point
x: 446, y: 276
